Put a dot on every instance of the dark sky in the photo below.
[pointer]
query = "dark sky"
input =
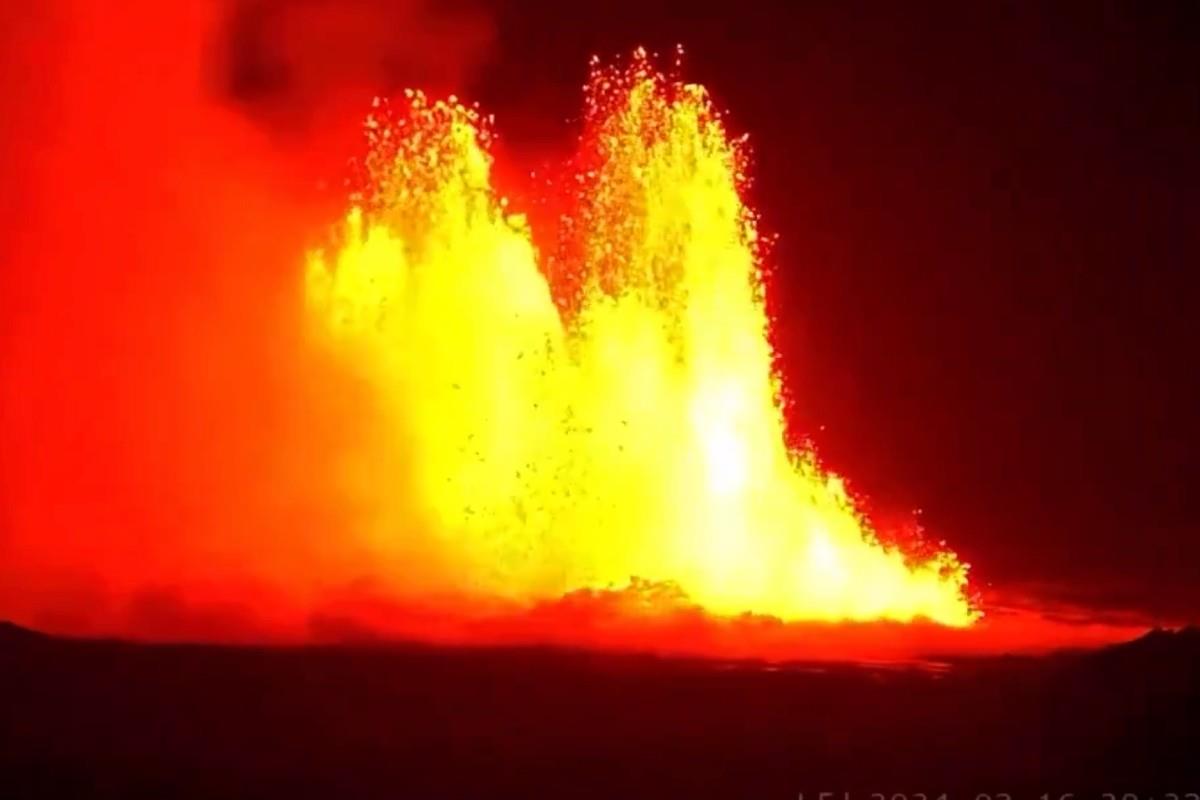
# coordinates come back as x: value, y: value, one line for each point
x: 988, y: 215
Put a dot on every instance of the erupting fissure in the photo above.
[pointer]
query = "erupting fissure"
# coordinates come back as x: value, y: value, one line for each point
x: 605, y: 410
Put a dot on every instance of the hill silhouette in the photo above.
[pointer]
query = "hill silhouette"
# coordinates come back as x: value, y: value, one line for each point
x: 86, y: 718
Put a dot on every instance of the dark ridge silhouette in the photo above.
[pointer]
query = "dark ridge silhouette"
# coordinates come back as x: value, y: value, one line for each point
x: 11, y: 633
x: 92, y: 718
x: 1164, y: 639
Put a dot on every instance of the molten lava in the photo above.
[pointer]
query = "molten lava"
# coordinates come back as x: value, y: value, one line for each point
x: 596, y: 414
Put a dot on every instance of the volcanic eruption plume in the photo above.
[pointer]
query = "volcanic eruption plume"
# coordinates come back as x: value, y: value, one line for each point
x: 451, y: 412
x: 598, y: 409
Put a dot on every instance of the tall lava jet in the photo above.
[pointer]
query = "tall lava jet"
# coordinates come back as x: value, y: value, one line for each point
x: 597, y: 409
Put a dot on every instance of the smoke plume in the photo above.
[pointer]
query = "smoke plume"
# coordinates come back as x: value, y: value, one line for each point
x: 166, y: 442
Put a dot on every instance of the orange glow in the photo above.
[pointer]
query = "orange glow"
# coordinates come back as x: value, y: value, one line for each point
x: 599, y: 414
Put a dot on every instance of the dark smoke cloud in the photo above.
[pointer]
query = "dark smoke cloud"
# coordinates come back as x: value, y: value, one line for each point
x: 286, y: 59
x: 168, y: 444
x: 303, y: 70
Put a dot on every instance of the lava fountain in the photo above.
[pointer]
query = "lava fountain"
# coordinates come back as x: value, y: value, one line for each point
x: 600, y: 411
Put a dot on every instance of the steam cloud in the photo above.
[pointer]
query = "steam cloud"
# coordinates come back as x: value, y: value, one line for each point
x: 167, y: 441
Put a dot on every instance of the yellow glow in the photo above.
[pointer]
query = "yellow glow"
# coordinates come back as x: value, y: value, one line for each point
x: 635, y: 434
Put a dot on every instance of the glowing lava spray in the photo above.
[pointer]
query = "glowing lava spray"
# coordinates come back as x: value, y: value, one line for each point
x: 603, y: 413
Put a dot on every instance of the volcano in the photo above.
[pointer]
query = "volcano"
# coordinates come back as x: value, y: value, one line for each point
x: 824, y: 429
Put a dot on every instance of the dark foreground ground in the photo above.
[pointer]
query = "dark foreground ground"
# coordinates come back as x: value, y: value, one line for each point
x: 109, y: 719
